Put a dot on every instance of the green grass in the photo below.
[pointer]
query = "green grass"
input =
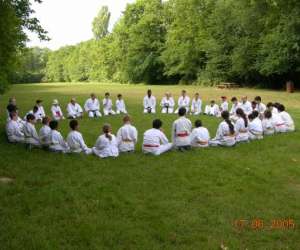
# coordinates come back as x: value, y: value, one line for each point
x: 175, y: 201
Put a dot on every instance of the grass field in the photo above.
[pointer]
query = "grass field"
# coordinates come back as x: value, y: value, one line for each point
x: 176, y: 201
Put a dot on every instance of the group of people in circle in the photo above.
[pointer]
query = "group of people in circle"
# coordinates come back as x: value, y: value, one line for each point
x: 245, y: 121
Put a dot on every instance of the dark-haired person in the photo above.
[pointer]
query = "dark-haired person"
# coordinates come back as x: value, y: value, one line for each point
x: 255, y: 126
x: 225, y: 135
x: 127, y: 136
x: 246, y: 105
x: 120, y: 105
x: 155, y: 141
x: 253, y: 106
x: 108, y: 105
x: 286, y: 117
x: 224, y: 106
x: 167, y: 104
x: 35, y: 112
x: 75, y: 140
x: 212, y: 109
x: 234, y: 107
x: 267, y: 123
x: 31, y: 136
x: 11, y: 107
x: 183, y: 102
x: 149, y: 103
x: 92, y: 107
x: 41, y: 112
x: 106, y: 144
x: 241, y: 126
x: 74, y: 110
x: 196, y: 108
x: 45, y: 132
x: 14, y: 130
x: 57, y: 142
x: 181, y: 131
x: 260, y: 107
x: 200, y: 136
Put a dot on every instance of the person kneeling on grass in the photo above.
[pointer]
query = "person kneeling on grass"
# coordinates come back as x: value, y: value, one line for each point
x: 45, y: 132
x: 75, y: 140
x: 106, y: 144
x: 255, y: 126
x: 14, y: 130
x: 155, y: 141
x: 285, y: 116
x: 225, y: 134
x: 108, y: 105
x: 120, y: 105
x: 57, y: 142
x: 200, y: 136
x: 31, y: 136
x: 127, y: 136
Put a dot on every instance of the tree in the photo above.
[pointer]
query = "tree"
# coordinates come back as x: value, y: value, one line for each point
x: 101, y: 23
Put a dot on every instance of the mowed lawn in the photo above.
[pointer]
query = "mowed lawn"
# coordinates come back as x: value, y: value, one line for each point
x: 189, y: 200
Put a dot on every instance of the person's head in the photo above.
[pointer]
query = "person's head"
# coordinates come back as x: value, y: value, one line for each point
x: 253, y: 104
x: 212, y: 102
x: 276, y: 104
x: 107, y: 95
x: 255, y: 114
x: 257, y: 99
x: 55, y: 102
x: 251, y: 117
x: 182, y: 111
x: 197, y: 96
x: 46, y: 120
x: 39, y: 102
x: 168, y: 95
x: 53, y: 125
x: 223, y: 98
x: 126, y: 119
x: 157, y: 124
x: 13, y: 115
x: 73, y: 101
x: 119, y: 96
x: 244, y: 99
x: 234, y: 100
x: 93, y: 96
x: 30, y: 118
x: 241, y: 113
x: 183, y: 92
x: 270, y: 105
x: 149, y: 92
x: 12, y: 108
x: 268, y: 114
x: 74, y: 125
x: 281, y: 108
x: 12, y: 100
x: 107, y: 130
x: 35, y: 109
x: 198, y: 123
x: 225, y: 116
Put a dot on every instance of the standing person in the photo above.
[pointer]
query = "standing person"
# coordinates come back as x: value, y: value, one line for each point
x: 31, y: 136
x: 234, y: 107
x: 106, y: 144
x: 260, y: 107
x: 13, y: 129
x: 167, y: 104
x: 75, y: 140
x: 267, y: 123
x: 57, y: 142
x: 212, y: 109
x: 57, y: 114
x: 155, y: 141
x: 255, y: 126
x: 120, y: 105
x: 92, y: 107
x: 41, y: 112
x: 127, y: 136
x: 108, y: 105
x: 196, y: 108
x: 200, y: 136
x: 181, y: 131
x: 225, y: 135
x: 149, y: 103
x: 224, y: 106
x: 45, y: 132
x: 183, y: 102
x: 288, y: 120
x: 246, y: 105
x: 241, y: 126
x: 74, y: 110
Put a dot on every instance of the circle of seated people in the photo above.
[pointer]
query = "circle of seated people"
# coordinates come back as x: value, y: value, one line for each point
x: 245, y: 121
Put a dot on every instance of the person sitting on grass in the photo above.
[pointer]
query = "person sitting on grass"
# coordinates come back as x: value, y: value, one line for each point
x: 108, y: 105
x: 92, y: 107
x: 181, y: 131
x: 74, y: 110
x: 45, y: 132
x: 241, y: 126
x: 267, y: 123
x: 120, y: 105
x: 41, y: 112
x: 260, y: 107
x: 127, y: 136
x: 75, y: 140
x: 155, y: 141
x: 149, y: 103
x: 196, y: 108
x: 57, y: 142
x: 57, y: 114
x: 167, y: 104
x: 285, y: 116
x: 200, y: 136
x: 35, y: 112
x: 106, y: 144
x: 212, y: 109
x: 234, y: 107
x: 14, y: 130
x: 224, y: 106
x: 225, y: 135
x: 31, y: 137
x: 255, y: 126
x: 183, y: 102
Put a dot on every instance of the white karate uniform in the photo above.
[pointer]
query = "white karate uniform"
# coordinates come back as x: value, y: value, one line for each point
x: 92, y: 107
x: 275, y: 110
x: 155, y: 142
x: 40, y: 113
x: 224, y: 106
x: 183, y: 102
x: 196, y: 107
x: 44, y: 135
x: 106, y: 148
x: 242, y: 133
x: 268, y: 126
x: 278, y: 123
x: 31, y: 136
x: 181, y: 131
x: 127, y: 138
x: 255, y: 129
x: 261, y: 108
x: 76, y: 143
x: 36, y: 115
x: 288, y: 120
x: 167, y: 105
x: 57, y: 114
x: 149, y: 103
x: 107, y: 107
x: 57, y: 142
x: 212, y: 110
x: 74, y: 111
x: 200, y: 137
x: 223, y: 137
x: 246, y: 107
x: 121, y: 107
x: 14, y: 132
